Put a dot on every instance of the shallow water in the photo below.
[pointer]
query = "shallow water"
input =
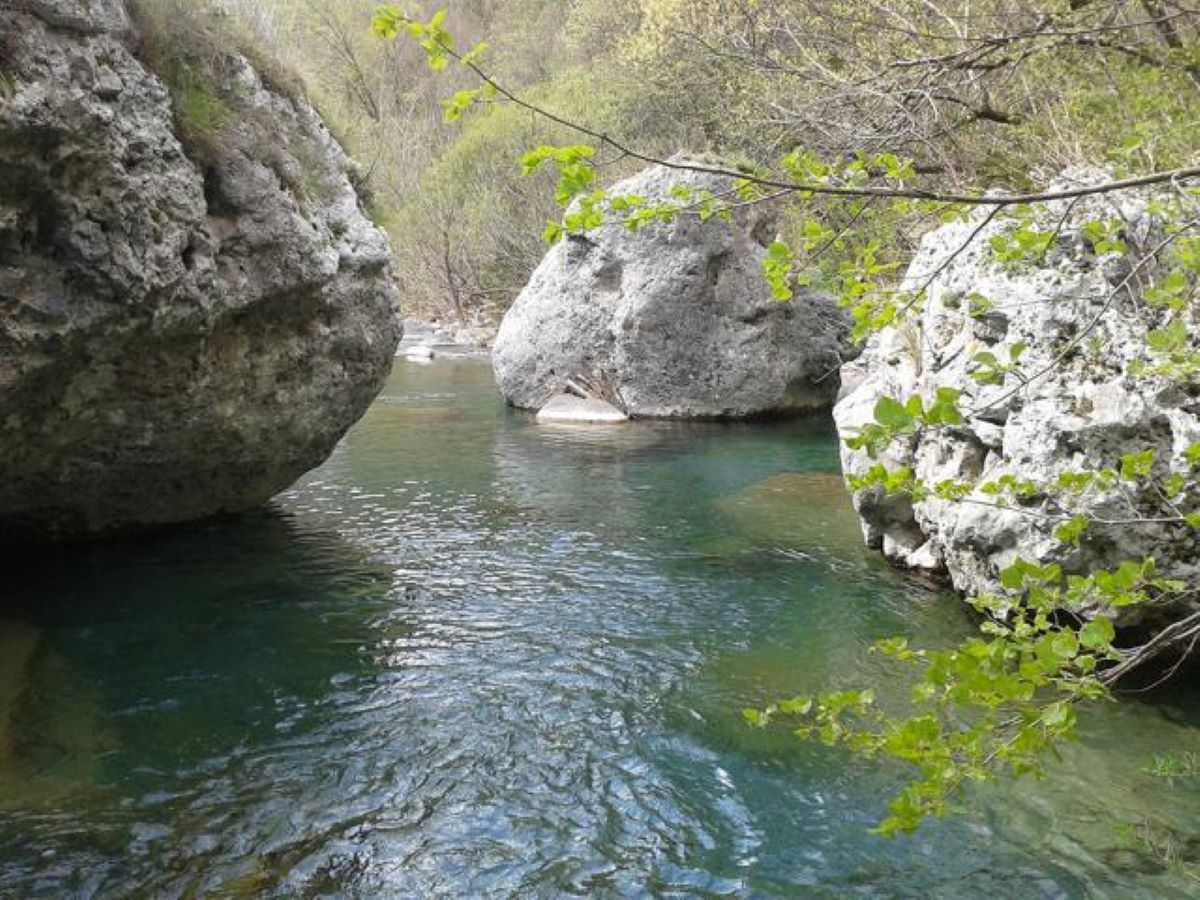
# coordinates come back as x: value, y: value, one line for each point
x: 473, y: 656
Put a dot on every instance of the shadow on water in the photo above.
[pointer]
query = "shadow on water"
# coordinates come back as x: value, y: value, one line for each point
x: 474, y: 656
x: 132, y: 666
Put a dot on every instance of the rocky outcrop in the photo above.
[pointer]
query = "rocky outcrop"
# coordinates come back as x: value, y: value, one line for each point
x: 186, y: 326
x: 1078, y: 327
x: 673, y: 320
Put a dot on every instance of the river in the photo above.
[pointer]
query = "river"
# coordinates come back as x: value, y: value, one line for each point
x: 473, y: 656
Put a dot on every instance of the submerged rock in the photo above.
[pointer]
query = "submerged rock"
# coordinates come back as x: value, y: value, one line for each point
x: 674, y: 320
x: 1082, y: 415
x: 799, y: 511
x: 18, y: 645
x: 186, y: 324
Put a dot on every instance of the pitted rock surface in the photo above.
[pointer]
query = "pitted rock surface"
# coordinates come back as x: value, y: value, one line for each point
x: 1080, y: 412
x: 177, y: 338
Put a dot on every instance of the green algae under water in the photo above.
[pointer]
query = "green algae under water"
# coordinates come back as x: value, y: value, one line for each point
x: 473, y: 656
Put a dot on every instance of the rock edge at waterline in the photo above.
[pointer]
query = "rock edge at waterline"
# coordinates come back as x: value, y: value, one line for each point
x: 567, y: 408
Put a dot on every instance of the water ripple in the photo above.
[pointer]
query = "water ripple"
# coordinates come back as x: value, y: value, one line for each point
x: 471, y: 656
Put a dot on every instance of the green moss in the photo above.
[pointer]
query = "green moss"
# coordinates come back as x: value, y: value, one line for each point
x: 313, y: 182
x: 201, y: 116
x: 196, y: 50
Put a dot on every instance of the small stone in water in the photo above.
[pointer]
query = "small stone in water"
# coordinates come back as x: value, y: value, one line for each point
x: 568, y: 408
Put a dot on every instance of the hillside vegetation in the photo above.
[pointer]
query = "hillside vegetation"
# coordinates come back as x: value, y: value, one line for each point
x: 1000, y: 93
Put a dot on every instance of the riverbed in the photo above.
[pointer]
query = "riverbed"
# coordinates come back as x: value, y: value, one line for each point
x: 474, y: 656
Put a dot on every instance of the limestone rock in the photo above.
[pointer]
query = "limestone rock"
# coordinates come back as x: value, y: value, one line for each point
x: 181, y: 333
x: 675, y: 320
x: 569, y: 408
x: 1082, y: 415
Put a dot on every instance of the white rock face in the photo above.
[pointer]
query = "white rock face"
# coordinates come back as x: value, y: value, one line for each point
x: 1081, y: 416
x: 179, y: 336
x: 674, y: 320
x: 569, y: 408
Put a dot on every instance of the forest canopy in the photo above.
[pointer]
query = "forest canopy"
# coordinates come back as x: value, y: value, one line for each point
x: 1004, y: 94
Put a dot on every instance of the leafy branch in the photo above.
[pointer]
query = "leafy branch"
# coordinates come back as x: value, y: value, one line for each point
x: 439, y: 46
x: 1001, y: 702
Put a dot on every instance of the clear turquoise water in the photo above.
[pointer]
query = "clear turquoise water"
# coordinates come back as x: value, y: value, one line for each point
x: 472, y: 656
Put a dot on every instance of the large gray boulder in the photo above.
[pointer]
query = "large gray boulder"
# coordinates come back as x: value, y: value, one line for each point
x: 674, y: 320
x: 1087, y: 333
x: 184, y: 329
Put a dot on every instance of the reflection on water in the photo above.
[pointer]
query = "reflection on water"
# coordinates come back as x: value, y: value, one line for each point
x: 475, y: 656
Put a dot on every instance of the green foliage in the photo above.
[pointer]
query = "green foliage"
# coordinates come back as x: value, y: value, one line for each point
x: 890, y: 481
x: 1022, y: 244
x: 431, y: 36
x: 453, y: 107
x: 666, y: 75
x: 201, y: 113
x: 1137, y: 465
x: 778, y: 268
x: 1174, y: 767
x: 996, y: 704
x: 1105, y: 236
x: 1001, y: 702
x: 1176, y: 350
x: 989, y: 369
x: 576, y: 175
x: 1164, y: 844
x: 895, y: 420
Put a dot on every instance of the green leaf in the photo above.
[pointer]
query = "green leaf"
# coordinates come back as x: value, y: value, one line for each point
x: 1070, y: 531
x: 797, y: 706
x: 1192, y: 455
x: 778, y: 267
x: 1174, y: 485
x: 387, y: 21
x: 756, y: 717
x: 475, y: 53
x: 1137, y: 465
x: 891, y: 413
x: 1058, y: 716
x: 1065, y: 644
x: 1168, y: 339
x: 1097, y: 634
x: 944, y: 410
